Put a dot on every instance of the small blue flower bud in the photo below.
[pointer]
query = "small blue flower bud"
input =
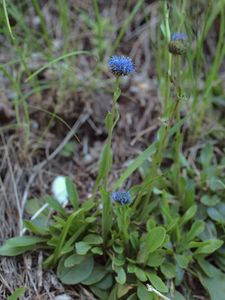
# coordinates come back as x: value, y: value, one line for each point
x: 121, y: 197
x: 178, y: 43
x: 121, y: 65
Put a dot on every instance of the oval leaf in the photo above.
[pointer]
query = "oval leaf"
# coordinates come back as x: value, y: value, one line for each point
x: 157, y: 283
x: 76, y: 273
x: 155, y: 238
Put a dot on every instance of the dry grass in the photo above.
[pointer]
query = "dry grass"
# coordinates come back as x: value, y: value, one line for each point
x: 27, y: 172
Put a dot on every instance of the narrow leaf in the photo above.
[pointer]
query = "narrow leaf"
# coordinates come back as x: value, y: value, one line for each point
x: 72, y: 193
x: 17, y: 294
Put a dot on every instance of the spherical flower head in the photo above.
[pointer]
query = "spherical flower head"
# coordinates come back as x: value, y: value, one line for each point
x: 178, y: 43
x: 121, y: 197
x: 121, y: 65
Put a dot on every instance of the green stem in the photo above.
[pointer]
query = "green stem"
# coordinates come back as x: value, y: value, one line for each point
x: 168, y: 57
x: 99, y: 30
x: 157, y: 158
x: 110, y: 129
x: 178, y: 138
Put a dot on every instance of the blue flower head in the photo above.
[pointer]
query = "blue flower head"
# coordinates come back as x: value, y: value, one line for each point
x: 121, y: 197
x: 178, y: 43
x: 121, y: 65
x: 178, y: 36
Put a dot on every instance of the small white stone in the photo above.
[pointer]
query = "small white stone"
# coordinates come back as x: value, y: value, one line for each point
x: 59, y: 190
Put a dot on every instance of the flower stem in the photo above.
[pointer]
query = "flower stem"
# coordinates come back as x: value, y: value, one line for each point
x: 157, y: 157
x: 112, y: 123
x: 178, y: 138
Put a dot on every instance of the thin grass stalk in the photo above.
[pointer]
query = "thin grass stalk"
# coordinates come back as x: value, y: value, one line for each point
x: 7, y: 19
x: 42, y: 21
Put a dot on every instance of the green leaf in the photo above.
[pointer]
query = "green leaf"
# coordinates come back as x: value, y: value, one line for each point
x: 213, y: 284
x: 106, y: 214
x: 215, y: 184
x: 4, y: 3
x: 108, y: 121
x: 178, y: 296
x: 105, y: 164
x: 217, y: 213
x: 210, y: 231
x: 19, y: 245
x: 93, y: 239
x: 189, y: 194
x: 131, y: 268
x: 136, y: 163
x: 155, y: 239
x: 97, y: 250
x: 17, y: 294
x: 123, y: 290
x: 76, y: 273
x: 209, y: 247
x: 34, y: 228
x: 55, y: 205
x: 168, y: 269
x: 88, y: 205
x: 118, y: 249
x: 118, y: 261
x: 117, y: 116
x: 134, y: 239
x: 90, y: 219
x: 82, y: 248
x: 97, y: 274
x: 105, y: 283
x: 101, y: 295
x: 72, y: 193
x: 33, y: 205
x: 206, y: 155
x: 142, y: 253
x: 62, y: 238
x: 143, y: 293
x: 210, y: 200
x: 140, y: 274
x: 116, y: 94
x: 121, y: 275
x: 133, y: 297
x: 157, y: 282
x: 182, y: 260
x: 113, y: 294
x: 206, y: 266
x: 190, y: 213
x: 156, y: 259
x: 74, y: 259
x: 196, y: 228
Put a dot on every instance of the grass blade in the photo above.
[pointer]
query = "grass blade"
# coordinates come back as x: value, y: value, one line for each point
x: 45, y: 66
x: 7, y: 18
